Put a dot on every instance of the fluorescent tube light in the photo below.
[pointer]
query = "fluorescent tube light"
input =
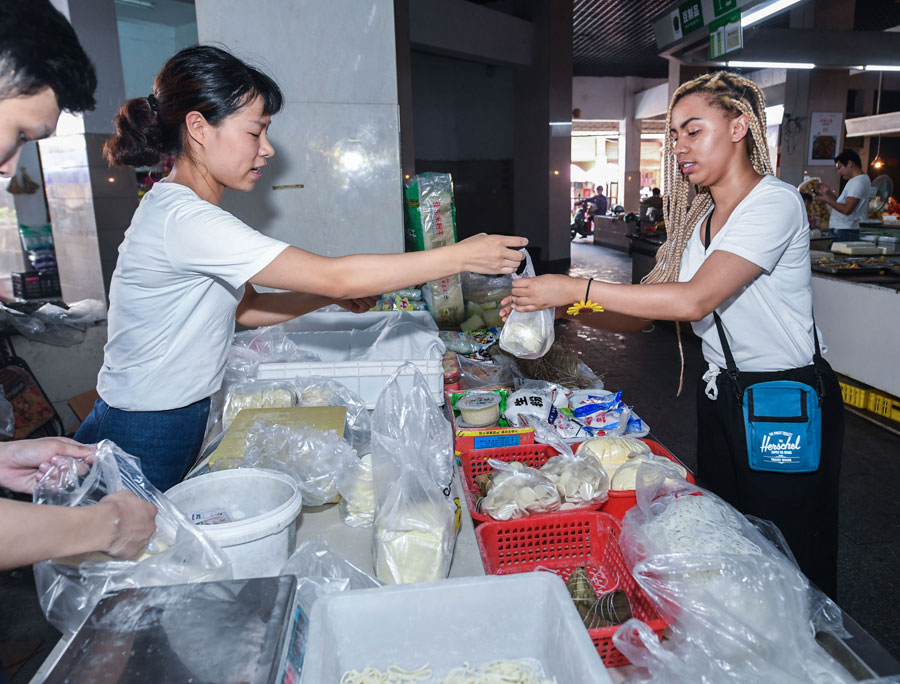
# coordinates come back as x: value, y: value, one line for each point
x: 765, y: 10
x: 772, y: 65
x: 144, y: 4
x: 882, y: 67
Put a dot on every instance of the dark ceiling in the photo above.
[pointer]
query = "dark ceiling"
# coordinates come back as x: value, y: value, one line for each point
x: 615, y: 37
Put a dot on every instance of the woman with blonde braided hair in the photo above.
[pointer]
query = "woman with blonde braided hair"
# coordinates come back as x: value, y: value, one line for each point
x: 737, y: 249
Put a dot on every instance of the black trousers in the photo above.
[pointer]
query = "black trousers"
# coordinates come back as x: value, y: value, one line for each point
x: 804, y: 506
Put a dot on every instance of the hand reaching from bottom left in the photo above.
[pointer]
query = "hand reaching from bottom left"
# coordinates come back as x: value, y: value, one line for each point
x: 23, y: 462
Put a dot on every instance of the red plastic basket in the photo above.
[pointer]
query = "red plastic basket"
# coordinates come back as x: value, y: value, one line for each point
x: 475, y: 462
x: 561, y: 543
x: 620, y: 502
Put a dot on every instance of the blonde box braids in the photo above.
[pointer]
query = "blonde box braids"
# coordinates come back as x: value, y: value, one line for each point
x: 734, y: 95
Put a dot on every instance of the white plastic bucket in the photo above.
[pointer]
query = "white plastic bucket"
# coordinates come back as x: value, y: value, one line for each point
x: 262, y: 506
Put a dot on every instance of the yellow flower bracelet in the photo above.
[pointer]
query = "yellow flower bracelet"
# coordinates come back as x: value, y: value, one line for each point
x: 585, y: 305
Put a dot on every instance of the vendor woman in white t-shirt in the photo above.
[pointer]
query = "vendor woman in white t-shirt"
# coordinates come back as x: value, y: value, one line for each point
x: 187, y: 268
x: 853, y: 204
x: 741, y: 249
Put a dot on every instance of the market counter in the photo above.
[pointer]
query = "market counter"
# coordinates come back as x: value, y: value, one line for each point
x: 860, y: 324
x: 611, y: 231
x: 355, y: 543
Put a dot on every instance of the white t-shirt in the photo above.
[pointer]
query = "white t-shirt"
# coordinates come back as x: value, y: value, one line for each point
x: 180, y: 275
x: 858, y: 186
x: 768, y: 323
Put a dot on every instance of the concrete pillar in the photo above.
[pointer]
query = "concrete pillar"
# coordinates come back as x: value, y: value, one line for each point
x: 404, y: 89
x: 334, y: 185
x: 543, y: 94
x: 630, y: 152
x: 682, y: 73
x: 90, y: 204
x: 819, y: 90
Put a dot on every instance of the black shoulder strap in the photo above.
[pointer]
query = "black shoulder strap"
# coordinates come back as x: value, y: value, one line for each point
x: 731, y: 366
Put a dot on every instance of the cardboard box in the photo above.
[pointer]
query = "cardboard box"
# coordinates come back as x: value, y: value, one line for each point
x: 81, y: 404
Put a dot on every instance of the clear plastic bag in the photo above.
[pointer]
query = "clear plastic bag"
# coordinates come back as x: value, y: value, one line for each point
x: 320, y: 571
x: 580, y: 480
x: 314, y: 458
x: 7, y: 417
x: 415, y: 522
x: 256, y: 394
x: 178, y: 553
x: 624, y: 477
x: 612, y: 451
x: 356, y: 485
x: 417, y: 422
x: 740, y: 610
x: 528, y: 335
x: 315, y: 390
x: 474, y: 374
x: 55, y: 325
x: 518, y: 490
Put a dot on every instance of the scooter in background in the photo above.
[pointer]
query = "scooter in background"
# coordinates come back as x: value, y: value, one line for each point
x: 583, y: 223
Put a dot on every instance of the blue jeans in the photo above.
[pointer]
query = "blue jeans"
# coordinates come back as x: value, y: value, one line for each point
x: 848, y: 235
x: 166, y: 442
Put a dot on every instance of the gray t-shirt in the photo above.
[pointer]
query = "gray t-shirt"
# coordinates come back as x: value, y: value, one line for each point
x: 858, y: 186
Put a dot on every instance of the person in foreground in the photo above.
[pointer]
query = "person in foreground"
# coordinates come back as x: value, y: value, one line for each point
x: 120, y: 524
x: 188, y: 269
x: 44, y: 70
x: 741, y: 249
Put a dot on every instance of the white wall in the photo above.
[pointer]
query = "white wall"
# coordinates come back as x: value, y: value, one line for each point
x: 606, y: 97
x: 463, y: 110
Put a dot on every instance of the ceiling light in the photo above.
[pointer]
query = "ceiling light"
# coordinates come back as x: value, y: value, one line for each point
x: 144, y: 4
x: 772, y: 65
x: 765, y: 10
x: 878, y: 162
x: 882, y: 67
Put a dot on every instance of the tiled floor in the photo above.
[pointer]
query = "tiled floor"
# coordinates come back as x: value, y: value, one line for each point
x: 646, y: 366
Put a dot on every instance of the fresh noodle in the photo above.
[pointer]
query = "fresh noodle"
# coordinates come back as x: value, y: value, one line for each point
x: 496, y: 672
x: 393, y: 675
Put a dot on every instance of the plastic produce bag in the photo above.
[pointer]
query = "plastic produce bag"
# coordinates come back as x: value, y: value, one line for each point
x: 52, y: 324
x: 415, y: 421
x: 178, y: 553
x: 314, y: 458
x: 403, y: 336
x: 624, y: 477
x: 740, y: 609
x: 315, y: 390
x: 356, y: 486
x: 256, y: 394
x: 580, y: 480
x: 7, y: 417
x: 518, y: 490
x: 415, y: 523
x: 320, y: 571
x: 528, y: 335
x: 501, y: 372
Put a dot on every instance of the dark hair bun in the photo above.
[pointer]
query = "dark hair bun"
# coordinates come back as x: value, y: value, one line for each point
x: 139, y: 136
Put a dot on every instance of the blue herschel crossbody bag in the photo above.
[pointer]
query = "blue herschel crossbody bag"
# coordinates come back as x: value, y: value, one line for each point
x: 783, y: 426
x: 782, y: 418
